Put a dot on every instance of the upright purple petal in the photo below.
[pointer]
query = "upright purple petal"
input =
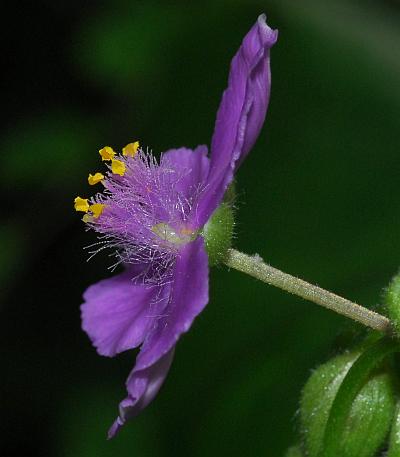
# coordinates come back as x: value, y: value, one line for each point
x: 118, y: 313
x: 189, y: 296
x: 142, y: 387
x: 244, y: 103
x: 241, y: 113
x: 191, y: 166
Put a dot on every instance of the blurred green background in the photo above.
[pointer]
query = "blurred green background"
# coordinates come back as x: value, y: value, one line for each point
x: 318, y: 198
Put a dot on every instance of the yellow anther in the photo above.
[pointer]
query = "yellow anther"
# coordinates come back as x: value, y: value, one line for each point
x: 96, y: 209
x: 131, y: 149
x: 118, y: 167
x: 87, y: 218
x: 94, y: 179
x: 81, y: 204
x: 107, y: 153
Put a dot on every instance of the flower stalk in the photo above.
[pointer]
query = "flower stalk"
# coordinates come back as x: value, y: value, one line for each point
x: 255, y: 266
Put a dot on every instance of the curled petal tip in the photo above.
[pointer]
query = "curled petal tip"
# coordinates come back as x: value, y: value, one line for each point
x: 114, y: 429
x: 241, y: 113
x: 270, y: 35
x: 142, y: 387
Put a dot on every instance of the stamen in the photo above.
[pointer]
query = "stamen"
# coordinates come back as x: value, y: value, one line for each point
x: 118, y: 167
x: 107, y: 153
x: 142, y: 217
x: 87, y: 218
x: 96, y: 209
x: 96, y: 178
x: 81, y: 204
x: 131, y: 149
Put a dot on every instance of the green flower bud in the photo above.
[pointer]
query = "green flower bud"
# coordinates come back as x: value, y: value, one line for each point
x: 392, y: 303
x: 218, y: 231
x: 394, y: 440
x: 347, y: 406
x: 317, y: 398
x: 370, y: 418
x: 294, y: 451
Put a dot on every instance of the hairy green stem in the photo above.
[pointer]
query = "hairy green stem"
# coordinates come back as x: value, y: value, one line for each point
x: 255, y: 266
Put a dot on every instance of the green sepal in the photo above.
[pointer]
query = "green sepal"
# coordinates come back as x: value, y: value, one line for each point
x: 230, y: 194
x: 394, y: 439
x: 317, y: 398
x: 392, y: 303
x: 218, y: 231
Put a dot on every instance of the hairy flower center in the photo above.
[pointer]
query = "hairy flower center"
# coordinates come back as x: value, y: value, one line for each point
x: 143, y: 212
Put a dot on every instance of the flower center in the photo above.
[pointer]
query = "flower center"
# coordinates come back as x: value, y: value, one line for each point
x: 169, y: 234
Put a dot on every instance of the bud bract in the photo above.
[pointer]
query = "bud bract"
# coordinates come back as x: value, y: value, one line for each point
x: 370, y: 410
x: 294, y: 451
x: 317, y: 398
x: 370, y: 418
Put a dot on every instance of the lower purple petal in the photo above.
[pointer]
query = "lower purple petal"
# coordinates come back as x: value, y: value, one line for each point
x: 118, y: 313
x: 189, y: 296
x: 142, y: 387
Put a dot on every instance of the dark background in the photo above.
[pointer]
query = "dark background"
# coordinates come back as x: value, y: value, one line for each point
x: 318, y: 197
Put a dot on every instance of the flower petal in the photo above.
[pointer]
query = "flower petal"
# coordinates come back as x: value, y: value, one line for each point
x: 118, y: 313
x: 241, y: 113
x: 189, y: 296
x: 191, y: 167
x: 142, y: 387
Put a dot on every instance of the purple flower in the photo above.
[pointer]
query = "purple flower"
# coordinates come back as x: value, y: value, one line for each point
x: 152, y: 214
